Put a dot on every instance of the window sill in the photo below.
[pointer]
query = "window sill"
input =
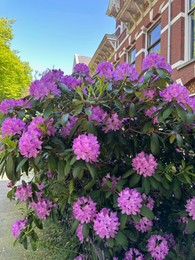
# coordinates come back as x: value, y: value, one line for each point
x: 185, y: 64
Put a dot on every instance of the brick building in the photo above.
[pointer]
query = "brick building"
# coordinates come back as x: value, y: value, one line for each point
x: 144, y: 26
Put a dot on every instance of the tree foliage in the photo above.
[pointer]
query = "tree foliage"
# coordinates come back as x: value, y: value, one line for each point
x: 15, y: 75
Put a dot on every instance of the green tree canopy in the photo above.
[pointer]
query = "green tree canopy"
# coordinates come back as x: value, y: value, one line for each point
x: 15, y: 75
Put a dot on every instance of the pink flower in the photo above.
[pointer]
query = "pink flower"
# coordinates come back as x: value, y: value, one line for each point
x: 190, y: 207
x: 84, y: 209
x: 18, y: 226
x: 29, y: 145
x: 12, y: 126
x: 125, y: 71
x: 129, y: 201
x: 170, y: 239
x: 175, y: 92
x: 148, y: 201
x: 144, y: 164
x: 112, y: 123
x: 79, y: 257
x: 81, y: 68
x: 106, y: 223
x: 155, y: 60
x: 70, y: 82
x: 150, y: 93
x: 144, y: 224
x: 53, y: 76
x: 132, y: 254
x: 158, y: 247
x: 24, y: 192
x: 65, y: 131
x: 86, y: 147
x: 98, y: 114
x: 105, y: 69
x: 43, y: 208
x: 79, y: 233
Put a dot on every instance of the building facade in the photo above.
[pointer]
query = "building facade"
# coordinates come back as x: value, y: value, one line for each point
x: 144, y: 26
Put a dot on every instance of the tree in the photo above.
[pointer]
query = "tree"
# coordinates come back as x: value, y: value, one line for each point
x: 14, y: 74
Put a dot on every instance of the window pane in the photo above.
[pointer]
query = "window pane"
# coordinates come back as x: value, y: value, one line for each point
x: 192, y: 3
x: 155, y: 48
x: 132, y: 56
x: 193, y: 35
x: 154, y: 35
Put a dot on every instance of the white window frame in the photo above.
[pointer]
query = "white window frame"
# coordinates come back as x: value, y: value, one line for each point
x: 149, y: 47
x: 129, y: 55
x: 189, y: 30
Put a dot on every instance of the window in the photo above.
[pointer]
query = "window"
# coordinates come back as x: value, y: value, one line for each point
x: 154, y: 39
x: 131, y: 55
x: 191, y: 13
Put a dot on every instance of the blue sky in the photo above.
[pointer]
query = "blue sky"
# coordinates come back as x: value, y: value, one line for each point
x: 48, y: 33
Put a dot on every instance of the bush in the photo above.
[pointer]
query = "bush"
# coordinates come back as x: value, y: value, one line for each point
x: 111, y: 155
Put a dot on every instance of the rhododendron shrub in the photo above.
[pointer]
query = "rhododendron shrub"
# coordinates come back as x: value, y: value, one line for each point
x: 112, y: 153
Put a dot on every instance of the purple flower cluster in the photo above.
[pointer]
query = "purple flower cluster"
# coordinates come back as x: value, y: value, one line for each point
x: 79, y: 257
x: 53, y: 76
x: 175, y: 92
x: 151, y: 112
x: 125, y: 71
x: 114, y: 180
x: 150, y: 93
x: 190, y: 207
x: 105, y: 69
x: 24, y: 192
x: 84, y: 209
x: 144, y: 164
x: 106, y: 224
x: 44, y: 87
x: 12, y: 126
x: 8, y: 104
x: 86, y: 147
x: 170, y: 239
x: 18, y: 226
x: 132, y: 254
x: 112, y: 123
x: 29, y: 145
x: 70, y: 82
x: 148, y: 201
x: 155, y: 60
x: 81, y: 68
x: 98, y: 114
x: 130, y: 201
x: 144, y: 225
x: 65, y: 131
x: 158, y: 247
x: 43, y: 207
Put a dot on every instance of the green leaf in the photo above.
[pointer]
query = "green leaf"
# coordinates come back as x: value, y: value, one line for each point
x: 51, y: 163
x: 75, y: 225
x: 38, y: 222
x: 146, y: 212
x: 20, y: 165
x: 64, y: 119
x: 88, y: 111
x: 85, y: 230
x: 147, y: 127
x: 181, y: 112
x: 61, y: 166
x: 146, y: 185
x: 179, y: 140
x: 78, y: 110
x: 92, y: 170
x: 118, y: 104
x: 89, y: 185
x: 136, y: 218
x: 122, y: 240
x: 134, y: 180
x: 67, y: 168
x: 77, y: 172
x: 123, y: 221
x: 154, y: 144
x: 71, y: 187
x: 73, y: 160
x: 191, y: 226
x: 172, y: 138
x: 25, y: 243
x: 132, y: 110
x: 10, y: 167
x: 91, y: 128
x: 127, y: 174
x: 168, y: 110
x: 48, y: 110
x: 110, y: 242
